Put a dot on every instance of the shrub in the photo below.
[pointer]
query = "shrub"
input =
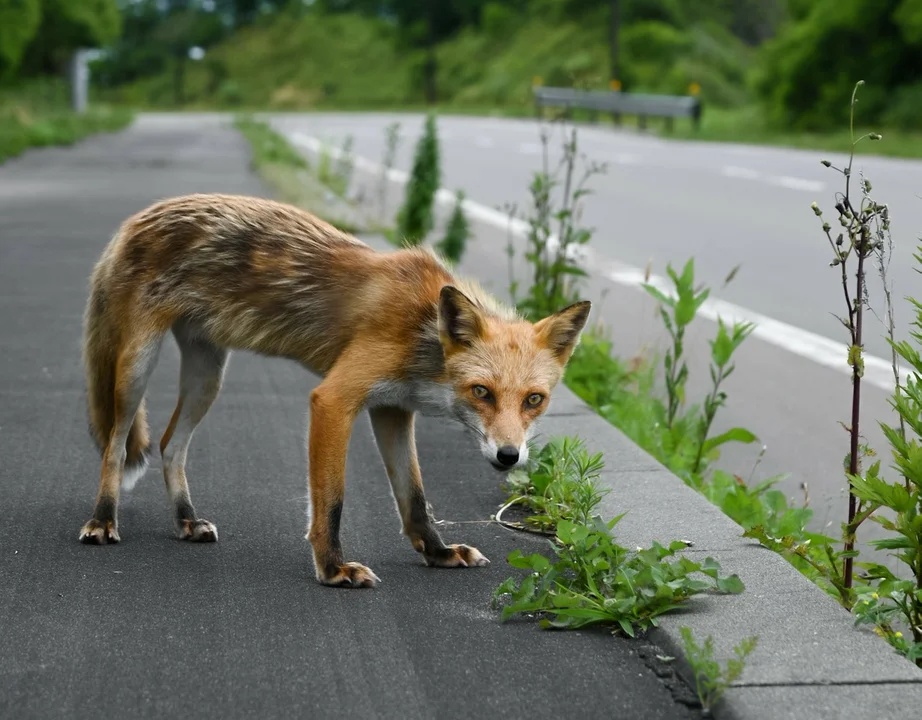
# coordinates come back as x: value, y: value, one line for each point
x: 415, y: 219
x: 456, y: 234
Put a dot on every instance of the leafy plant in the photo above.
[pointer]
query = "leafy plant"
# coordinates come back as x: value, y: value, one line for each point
x: 553, y: 257
x: 558, y: 484
x: 456, y: 234
x: 591, y: 579
x: 887, y: 600
x: 415, y: 218
x: 684, y: 302
x: 711, y: 681
x: 336, y: 175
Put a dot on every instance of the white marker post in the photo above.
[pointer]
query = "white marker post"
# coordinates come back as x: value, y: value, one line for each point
x: 79, y: 76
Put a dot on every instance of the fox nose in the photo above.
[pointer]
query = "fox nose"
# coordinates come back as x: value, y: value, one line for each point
x: 507, y: 456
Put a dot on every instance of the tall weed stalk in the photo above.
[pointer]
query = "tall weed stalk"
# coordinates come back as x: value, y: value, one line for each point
x: 864, y: 223
x: 555, y: 237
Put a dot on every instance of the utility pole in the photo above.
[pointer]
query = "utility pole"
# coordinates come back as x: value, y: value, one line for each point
x: 430, y: 69
x: 614, y: 45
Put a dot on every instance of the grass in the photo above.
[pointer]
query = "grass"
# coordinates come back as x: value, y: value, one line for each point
x: 292, y: 178
x: 37, y: 114
x: 748, y: 125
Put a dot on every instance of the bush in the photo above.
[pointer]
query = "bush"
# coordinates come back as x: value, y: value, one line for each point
x: 456, y: 235
x: 415, y: 219
x: 904, y: 109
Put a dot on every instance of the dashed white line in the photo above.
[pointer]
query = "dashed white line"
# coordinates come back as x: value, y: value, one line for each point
x: 785, y: 181
x: 740, y: 172
x: 795, y: 183
x: 530, y: 149
x: 803, y: 343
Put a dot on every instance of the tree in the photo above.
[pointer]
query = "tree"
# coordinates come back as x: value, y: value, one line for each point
x: 66, y: 26
x: 613, y: 40
x: 877, y: 41
x: 19, y: 21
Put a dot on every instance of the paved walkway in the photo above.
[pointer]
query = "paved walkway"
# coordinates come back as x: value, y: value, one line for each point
x: 154, y: 627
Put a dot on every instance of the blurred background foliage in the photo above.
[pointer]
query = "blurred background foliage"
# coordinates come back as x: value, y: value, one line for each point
x: 789, y: 63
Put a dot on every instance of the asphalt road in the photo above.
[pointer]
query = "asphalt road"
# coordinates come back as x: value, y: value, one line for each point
x: 664, y: 201
x: 155, y: 627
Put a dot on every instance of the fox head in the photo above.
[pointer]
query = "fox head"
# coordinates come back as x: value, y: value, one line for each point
x: 503, y: 371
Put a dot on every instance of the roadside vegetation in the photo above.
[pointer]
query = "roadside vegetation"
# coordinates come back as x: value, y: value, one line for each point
x: 37, y: 38
x: 319, y: 189
x: 38, y: 114
x: 646, y: 398
x: 589, y: 578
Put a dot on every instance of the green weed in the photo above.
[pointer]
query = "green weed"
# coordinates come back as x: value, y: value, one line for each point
x: 591, y: 579
x: 453, y: 244
x: 554, y: 238
x: 711, y: 681
x: 559, y: 483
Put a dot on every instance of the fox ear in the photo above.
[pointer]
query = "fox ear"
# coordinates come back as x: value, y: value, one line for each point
x: 561, y: 331
x: 460, y: 322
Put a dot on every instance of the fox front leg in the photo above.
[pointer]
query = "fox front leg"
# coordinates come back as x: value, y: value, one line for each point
x: 394, y: 435
x: 330, y: 428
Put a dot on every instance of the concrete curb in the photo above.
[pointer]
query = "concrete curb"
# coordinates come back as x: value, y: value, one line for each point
x: 811, y: 661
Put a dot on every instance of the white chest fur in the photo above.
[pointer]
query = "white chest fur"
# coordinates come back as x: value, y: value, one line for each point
x: 424, y: 397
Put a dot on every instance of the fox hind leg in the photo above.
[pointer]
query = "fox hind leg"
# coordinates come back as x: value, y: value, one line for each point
x: 133, y: 368
x: 201, y: 376
x: 394, y: 436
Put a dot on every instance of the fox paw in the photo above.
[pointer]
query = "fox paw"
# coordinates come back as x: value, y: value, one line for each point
x: 96, y: 532
x: 198, y: 531
x: 457, y: 556
x: 351, y: 574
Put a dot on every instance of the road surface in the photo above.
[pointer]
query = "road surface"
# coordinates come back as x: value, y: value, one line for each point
x: 154, y: 627
x: 664, y: 201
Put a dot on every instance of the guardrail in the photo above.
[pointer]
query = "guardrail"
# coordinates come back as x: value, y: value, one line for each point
x: 619, y: 103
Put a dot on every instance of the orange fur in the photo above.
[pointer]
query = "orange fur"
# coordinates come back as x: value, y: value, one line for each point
x: 394, y: 333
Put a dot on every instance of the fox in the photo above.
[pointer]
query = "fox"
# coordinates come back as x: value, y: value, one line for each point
x: 393, y: 334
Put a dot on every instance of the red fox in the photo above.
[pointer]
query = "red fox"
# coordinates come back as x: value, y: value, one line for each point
x: 393, y: 333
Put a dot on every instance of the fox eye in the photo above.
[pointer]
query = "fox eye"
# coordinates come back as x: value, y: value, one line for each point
x: 480, y: 392
x: 534, y: 400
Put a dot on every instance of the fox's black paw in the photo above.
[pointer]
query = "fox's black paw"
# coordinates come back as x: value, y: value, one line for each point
x: 96, y: 532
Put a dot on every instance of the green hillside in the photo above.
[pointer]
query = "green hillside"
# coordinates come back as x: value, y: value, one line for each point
x: 301, y: 61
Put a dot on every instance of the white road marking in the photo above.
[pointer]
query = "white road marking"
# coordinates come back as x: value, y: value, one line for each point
x: 795, y: 183
x: 739, y: 172
x: 530, y: 148
x: 803, y: 343
x: 627, y: 159
x: 785, y: 181
x: 483, y: 142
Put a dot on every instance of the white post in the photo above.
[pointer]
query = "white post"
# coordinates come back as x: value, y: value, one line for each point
x: 80, y: 79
